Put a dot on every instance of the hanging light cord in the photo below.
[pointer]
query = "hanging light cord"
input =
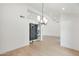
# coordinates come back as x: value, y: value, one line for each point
x: 42, y: 10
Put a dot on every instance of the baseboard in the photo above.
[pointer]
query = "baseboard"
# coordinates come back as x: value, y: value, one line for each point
x: 51, y: 36
x: 3, y: 52
x: 67, y: 47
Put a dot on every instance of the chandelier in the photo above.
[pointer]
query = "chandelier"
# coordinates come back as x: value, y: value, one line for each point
x: 42, y: 19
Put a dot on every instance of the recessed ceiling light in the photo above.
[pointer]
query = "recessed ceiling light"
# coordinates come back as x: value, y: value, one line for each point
x: 63, y: 8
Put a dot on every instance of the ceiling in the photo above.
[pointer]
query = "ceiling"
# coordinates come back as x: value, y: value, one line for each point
x: 54, y: 10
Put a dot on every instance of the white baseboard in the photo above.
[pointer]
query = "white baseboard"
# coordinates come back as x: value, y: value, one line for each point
x: 5, y: 51
x: 51, y: 36
x: 69, y: 47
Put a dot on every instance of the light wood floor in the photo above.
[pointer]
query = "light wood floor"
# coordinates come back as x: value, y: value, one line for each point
x: 48, y: 47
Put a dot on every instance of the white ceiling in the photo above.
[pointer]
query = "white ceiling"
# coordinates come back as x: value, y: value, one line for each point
x: 55, y: 9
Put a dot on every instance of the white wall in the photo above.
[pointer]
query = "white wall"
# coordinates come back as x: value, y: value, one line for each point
x: 51, y: 29
x: 70, y: 31
x: 14, y: 31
